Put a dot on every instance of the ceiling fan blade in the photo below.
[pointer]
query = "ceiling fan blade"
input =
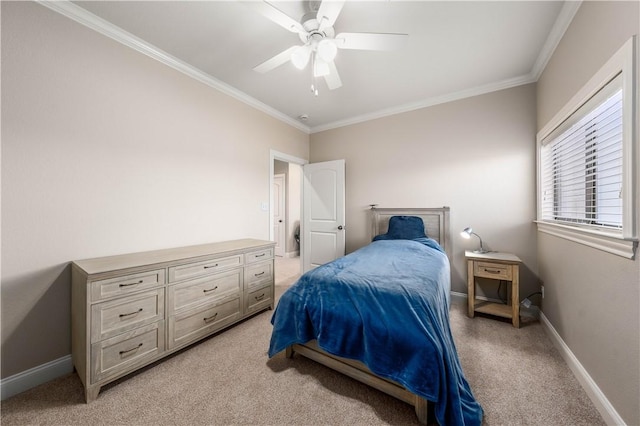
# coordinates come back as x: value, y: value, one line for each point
x: 333, y: 78
x: 276, y: 15
x: 328, y: 13
x: 320, y: 67
x: 371, y: 41
x: 276, y: 61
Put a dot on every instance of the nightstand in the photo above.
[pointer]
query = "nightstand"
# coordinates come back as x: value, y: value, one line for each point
x: 495, y: 266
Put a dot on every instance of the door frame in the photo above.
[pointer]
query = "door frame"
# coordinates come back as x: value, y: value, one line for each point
x: 276, y: 155
x: 281, y: 249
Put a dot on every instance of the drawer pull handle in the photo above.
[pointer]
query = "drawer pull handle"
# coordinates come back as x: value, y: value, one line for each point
x: 211, y: 318
x: 210, y: 289
x: 130, y: 284
x: 492, y: 271
x: 130, y: 350
x: 211, y: 266
x: 257, y: 275
x: 260, y: 297
x: 260, y: 255
x: 131, y: 313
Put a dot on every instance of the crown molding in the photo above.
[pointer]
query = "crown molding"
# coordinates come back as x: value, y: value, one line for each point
x: 437, y: 100
x: 88, y: 19
x: 568, y: 11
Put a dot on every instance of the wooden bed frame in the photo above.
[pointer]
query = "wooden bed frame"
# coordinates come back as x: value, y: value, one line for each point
x: 436, y: 221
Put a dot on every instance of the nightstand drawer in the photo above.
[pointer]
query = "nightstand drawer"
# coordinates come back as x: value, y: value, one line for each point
x: 492, y: 270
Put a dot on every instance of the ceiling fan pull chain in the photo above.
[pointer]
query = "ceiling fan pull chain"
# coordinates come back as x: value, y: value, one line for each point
x: 314, y: 86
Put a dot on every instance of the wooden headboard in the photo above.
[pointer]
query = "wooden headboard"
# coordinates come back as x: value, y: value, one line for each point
x: 436, y: 222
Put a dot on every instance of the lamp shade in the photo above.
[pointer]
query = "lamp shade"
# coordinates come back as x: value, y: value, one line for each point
x: 466, y: 232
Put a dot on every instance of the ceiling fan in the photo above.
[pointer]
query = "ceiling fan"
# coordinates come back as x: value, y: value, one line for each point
x: 320, y: 43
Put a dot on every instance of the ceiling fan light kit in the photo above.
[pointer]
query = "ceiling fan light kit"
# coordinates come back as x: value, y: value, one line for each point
x: 300, y: 57
x: 327, y: 50
x: 321, y: 45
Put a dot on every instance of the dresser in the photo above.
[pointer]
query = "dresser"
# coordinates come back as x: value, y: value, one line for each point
x: 133, y: 309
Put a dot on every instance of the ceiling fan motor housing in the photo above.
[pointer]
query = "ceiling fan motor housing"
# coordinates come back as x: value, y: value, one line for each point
x: 311, y: 25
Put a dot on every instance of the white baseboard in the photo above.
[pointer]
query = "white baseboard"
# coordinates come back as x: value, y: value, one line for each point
x: 602, y: 404
x: 292, y: 254
x: 600, y: 401
x: 35, y: 376
x: 38, y: 375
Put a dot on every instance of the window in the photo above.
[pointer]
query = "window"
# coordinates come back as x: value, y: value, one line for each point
x: 581, y: 164
x: 586, y: 160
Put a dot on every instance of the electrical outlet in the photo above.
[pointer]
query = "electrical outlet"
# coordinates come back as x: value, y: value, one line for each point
x: 542, y: 291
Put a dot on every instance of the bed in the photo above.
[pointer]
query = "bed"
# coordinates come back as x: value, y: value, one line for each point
x: 381, y: 316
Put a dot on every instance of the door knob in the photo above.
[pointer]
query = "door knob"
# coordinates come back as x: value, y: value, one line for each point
x: 340, y: 228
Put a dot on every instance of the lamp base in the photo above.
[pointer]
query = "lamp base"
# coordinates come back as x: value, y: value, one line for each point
x: 482, y: 251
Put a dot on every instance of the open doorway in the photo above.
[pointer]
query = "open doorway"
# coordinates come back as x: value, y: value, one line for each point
x: 290, y: 168
x: 287, y: 202
x: 287, y: 258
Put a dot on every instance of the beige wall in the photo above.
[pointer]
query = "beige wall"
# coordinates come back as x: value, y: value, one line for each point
x: 474, y: 155
x: 592, y: 298
x: 107, y: 151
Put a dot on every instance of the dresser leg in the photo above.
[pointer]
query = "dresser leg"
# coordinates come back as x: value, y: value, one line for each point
x: 91, y: 393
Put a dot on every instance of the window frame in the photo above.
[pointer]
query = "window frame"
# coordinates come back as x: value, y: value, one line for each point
x: 622, y: 242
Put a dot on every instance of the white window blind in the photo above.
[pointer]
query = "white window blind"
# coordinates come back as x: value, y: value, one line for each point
x: 582, y: 164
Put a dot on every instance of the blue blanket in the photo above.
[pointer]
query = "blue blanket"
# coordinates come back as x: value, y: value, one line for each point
x: 387, y: 305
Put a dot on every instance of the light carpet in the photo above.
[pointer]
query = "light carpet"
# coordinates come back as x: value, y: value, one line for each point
x: 516, y: 374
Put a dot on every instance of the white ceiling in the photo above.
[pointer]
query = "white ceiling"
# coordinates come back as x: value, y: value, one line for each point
x: 455, y: 49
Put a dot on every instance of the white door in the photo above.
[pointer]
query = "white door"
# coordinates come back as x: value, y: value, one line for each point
x: 278, y: 214
x: 323, y: 215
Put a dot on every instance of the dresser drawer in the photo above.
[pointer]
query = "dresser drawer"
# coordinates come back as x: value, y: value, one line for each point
x: 189, y: 326
x: 492, y: 270
x: 189, y: 294
x: 117, y: 355
x: 120, y: 286
x: 111, y: 318
x: 259, y: 274
x: 199, y: 269
x: 258, y: 255
x: 259, y: 299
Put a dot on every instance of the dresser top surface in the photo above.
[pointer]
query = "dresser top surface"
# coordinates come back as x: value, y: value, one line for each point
x: 100, y: 265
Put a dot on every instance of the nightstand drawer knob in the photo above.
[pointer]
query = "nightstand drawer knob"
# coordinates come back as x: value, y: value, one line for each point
x: 492, y: 271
